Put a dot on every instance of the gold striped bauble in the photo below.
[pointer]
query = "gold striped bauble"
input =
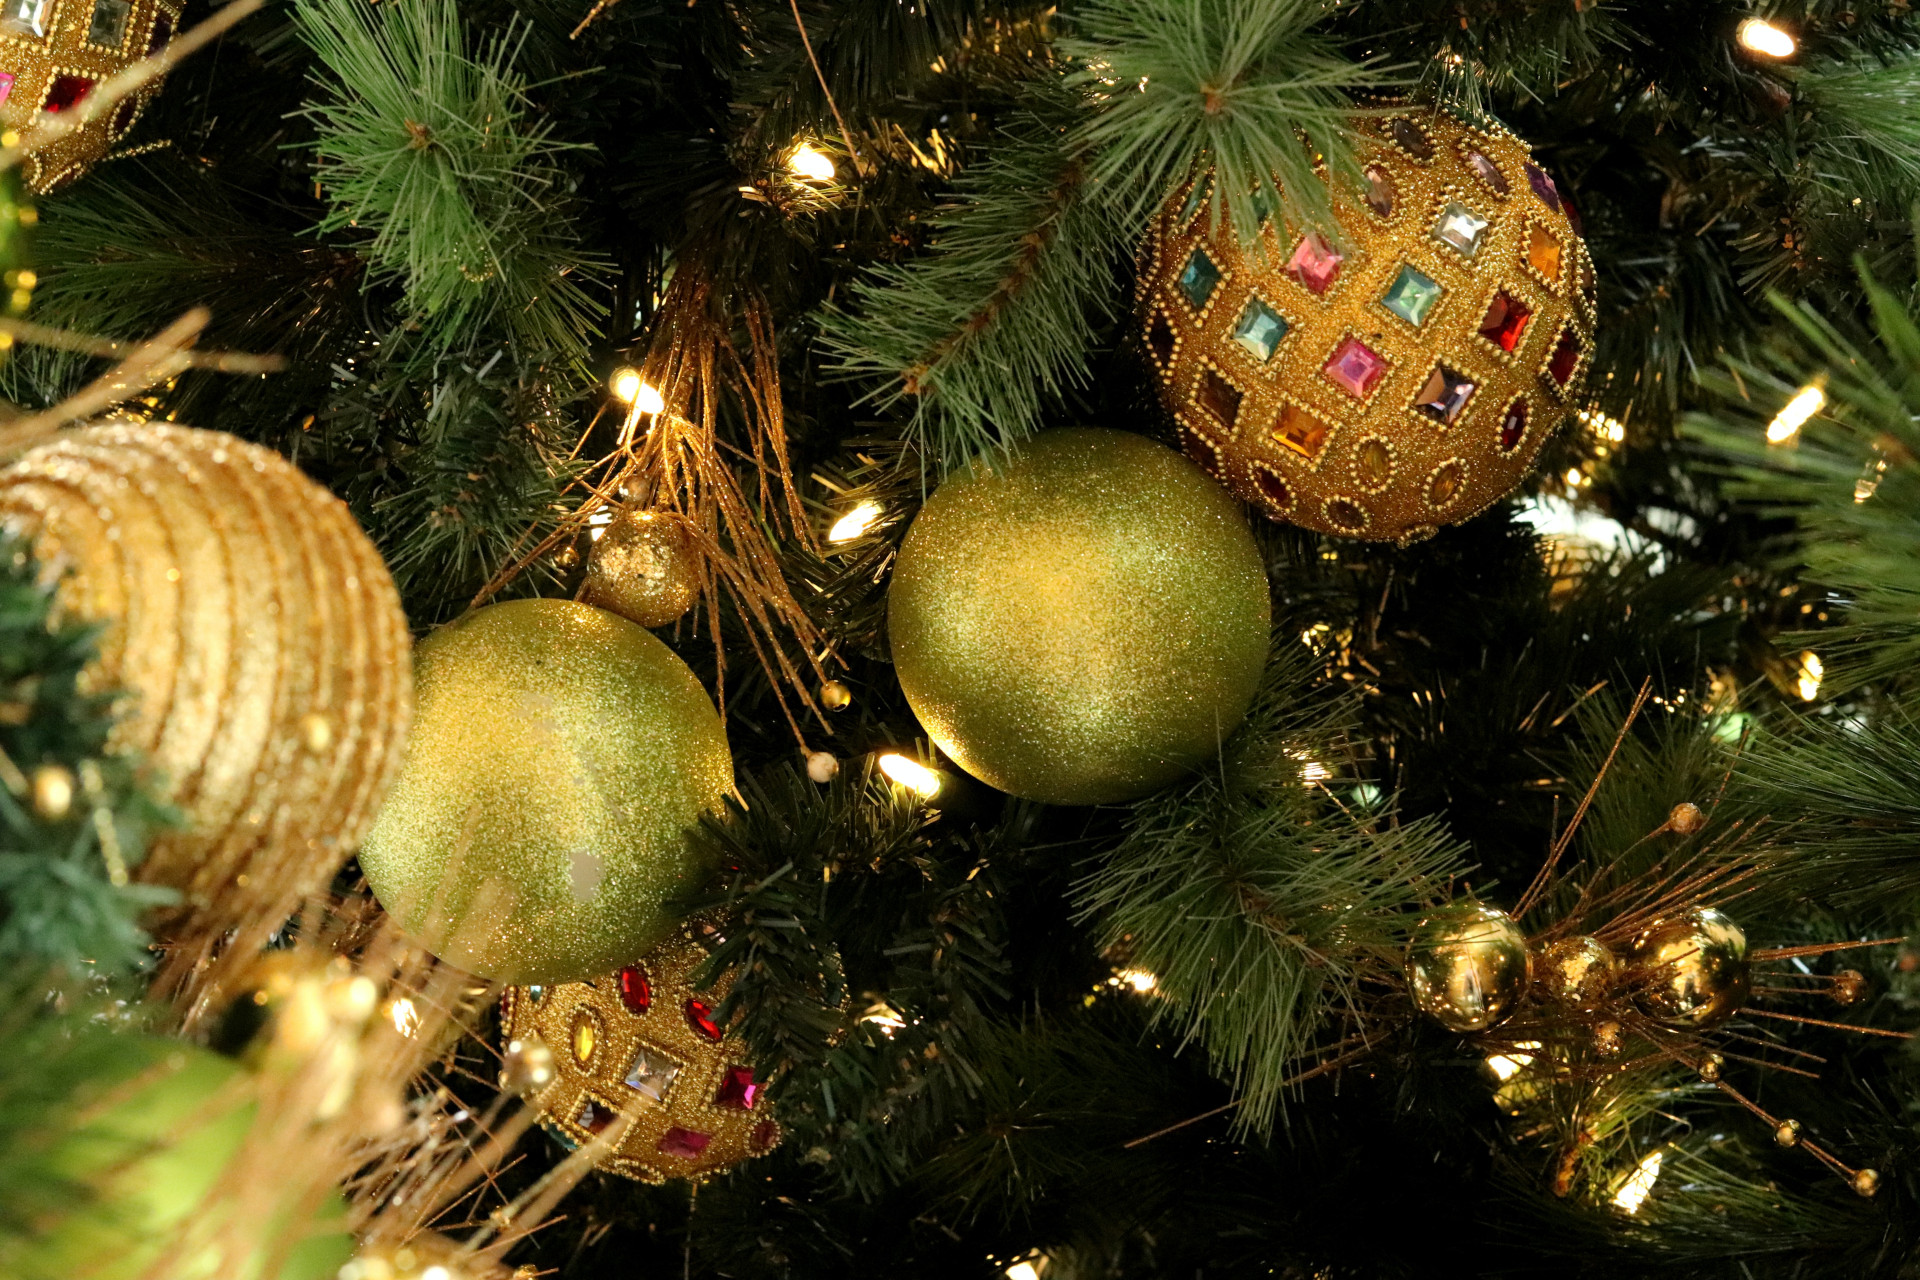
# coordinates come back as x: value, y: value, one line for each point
x: 256, y: 635
x: 54, y: 54
x: 638, y: 1054
x: 1397, y: 372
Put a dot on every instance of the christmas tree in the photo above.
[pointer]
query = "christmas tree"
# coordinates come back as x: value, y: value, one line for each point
x: 955, y: 638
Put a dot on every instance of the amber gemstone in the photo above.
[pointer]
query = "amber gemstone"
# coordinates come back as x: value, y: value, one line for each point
x: 1273, y: 488
x: 585, y: 1036
x: 1505, y: 321
x: 700, y: 1018
x: 687, y: 1144
x: 1218, y: 397
x: 1445, y: 484
x: 635, y: 991
x: 1301, y: 431
x: 1513, y: 426
x: 1543, y: 253
x: 1375, y: 463
x: 737, y: 1089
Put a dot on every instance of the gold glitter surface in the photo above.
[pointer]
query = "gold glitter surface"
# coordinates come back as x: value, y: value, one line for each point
x: 240, y: 601
x: 1266, y: 418
x: 649, y: 1069
x: 558, y: 757
x: 645, y: 568
x: 1084, y: 625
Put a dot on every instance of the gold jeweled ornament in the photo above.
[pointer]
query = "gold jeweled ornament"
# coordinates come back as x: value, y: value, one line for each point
x: 1691, y: 971
x: 640, y: 1046
x: 258, y: 635
x: 644, y: 567
x: 54, y: 53
x: 1397, y: 372
x: 1082, y: 623
x: 539, y: 825
x: 1576, y: 971
x: 1467, y: 967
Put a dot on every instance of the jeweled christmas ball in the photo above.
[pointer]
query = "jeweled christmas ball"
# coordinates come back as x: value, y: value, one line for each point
x: 1393, y: 373
x: 1083, y: 623
x: 1467, y: 967
x: 53, y: 55
x: 1692, y: 971
x: 539, y: 825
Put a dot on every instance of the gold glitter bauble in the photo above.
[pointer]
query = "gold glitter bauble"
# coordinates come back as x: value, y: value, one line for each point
x: 241, y: 605
x: 1692, y: 971
x: 1084, y: 623
x: 1576, y: 971
x: 645, y: 568
x: 558, y: 758
x: 1467, y: 967
x: 1400, y: 372
x: 641, y: 1047
x: 55, y: 53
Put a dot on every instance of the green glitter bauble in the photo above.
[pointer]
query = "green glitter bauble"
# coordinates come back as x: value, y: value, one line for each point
x: 1082, y: 624
x: 558, y: 756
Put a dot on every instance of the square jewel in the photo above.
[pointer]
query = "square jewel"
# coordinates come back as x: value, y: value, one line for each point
x: 108, y: 27
x: 651, y: 1074
x: 1355, y: 368
x: 1259, y: 330
x: 1412, y: 295
x: 1445, y: 395
x: 1199, y: 278
x: 27, y: 17
x: 1460, y: 227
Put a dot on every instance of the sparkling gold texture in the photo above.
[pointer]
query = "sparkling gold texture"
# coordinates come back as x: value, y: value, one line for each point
x: 1468, y: 967
x: 239, y: 599
x: 559, y: 756
x: 1082, y: 625
x: 48, y: 47
x: 1692, y: 971
x: 661, y: 1037
x: 644, y: 568
x: 1576, y: 971
x: 1324, y: 436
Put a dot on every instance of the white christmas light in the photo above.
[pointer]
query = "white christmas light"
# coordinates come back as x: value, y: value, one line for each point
x: 1787, y: 423
x: 855, y: 522
x: 911, y: 774
x: 808, y: 163
x: 1757, y: 35
x: 1634, y: 1191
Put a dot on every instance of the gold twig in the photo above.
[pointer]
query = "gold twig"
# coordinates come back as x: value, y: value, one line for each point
x: 41, y: 335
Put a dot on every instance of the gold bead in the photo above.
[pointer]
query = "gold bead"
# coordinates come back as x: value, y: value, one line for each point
x: 52, y: 792
x: 835, y: 696
x: 1788, y: 1133
x: 1687, y: 818
x: 1576, y: 971
x: 1711, y: 1067
x: 1866, y: 1182
x: 316, y: 733
x: 1691, y: 971
x: 1467, y: 967
x: 644, y: 567
x: 1608, y: 1038
x: 1849, y: 987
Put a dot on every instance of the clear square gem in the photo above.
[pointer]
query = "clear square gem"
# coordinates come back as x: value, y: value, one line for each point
x: 108, y: 27
x: 1445, y: 395
x: 1460, y: 227
x: 651, y: 1074
x: 1259, y: 330
x: 27, y: 17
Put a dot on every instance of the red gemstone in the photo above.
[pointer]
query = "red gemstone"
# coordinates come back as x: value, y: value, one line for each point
x: 635, y: 991
x: 593, y: 1117
x: 1218, y: 397
x: 1355, y: 367
x: 162, y: 32
x: 1513, y: 426
x: 1506, y: 320
x: 1566, y: 358
x: 737, y: 1089
x: 123, y: 117
x: 1161, y: 338
x: 67, y: 92
x: 1315, y: 263
x: 763, y: 1135
x: 685, y: 1143
x: 700, y: 1018
x: 1273, y: 487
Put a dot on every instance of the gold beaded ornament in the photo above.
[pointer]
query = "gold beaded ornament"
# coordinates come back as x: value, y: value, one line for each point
x: 642, y: 1047
x: 54, y: 53
x: 1398, y: 374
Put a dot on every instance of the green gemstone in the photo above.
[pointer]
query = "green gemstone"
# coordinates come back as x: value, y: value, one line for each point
x: 1412, y: 296
x: 1259, y: 330
x: 1199, y: 279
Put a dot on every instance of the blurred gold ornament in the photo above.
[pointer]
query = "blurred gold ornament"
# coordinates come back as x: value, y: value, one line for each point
x: 527, y: 1064
x: 644, y: 1052
x: 1691, y: 971
x: 52, y: 792
x: 1865, y: 1182
x: 1608, y: 1039
x: 242, y: 608
x: 644, y: 567
x: 1711, y: 1067
x: 1787, y: 1133
x: 1849, y: 987
x: 1686, y: 818
x: 540, y: 825
x: 1467, y: 967
x: 835, y: 696
x: 1576, y: 971
x: 54, y: 54
x: 1399, y: 371
x: 423, y: 1255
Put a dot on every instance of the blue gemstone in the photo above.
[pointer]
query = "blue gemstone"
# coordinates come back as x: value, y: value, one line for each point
x: 1412, y: 296
x: 1259, y: 330
x: 1199, y: 279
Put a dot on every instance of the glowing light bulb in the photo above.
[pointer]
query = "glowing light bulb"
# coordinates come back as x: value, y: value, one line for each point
x: 1505, y: 1066
x: 1313, y: 771
x: 1023, y: 1271
x: 855, y: 522
x: 1139, y: 979
x: 406, y: 1017
x: 1634, y: 1191
x: 1757, y: 35
x: 630, y: 388
x: 1787, y: 423
x: 811, y: 164
x: 1811, y: 669
x: 1574, y: 478
x: 911, y: 774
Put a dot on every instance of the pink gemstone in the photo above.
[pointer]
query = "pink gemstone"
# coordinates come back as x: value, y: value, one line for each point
x: 737, y: 1089
x: 67, y: 91
x: 700, y: 1018
x: 6, y: 86
x: 635, y: 991
x: 1315, y: 263
x: 1356, y: 367
x: 684, y: 1143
